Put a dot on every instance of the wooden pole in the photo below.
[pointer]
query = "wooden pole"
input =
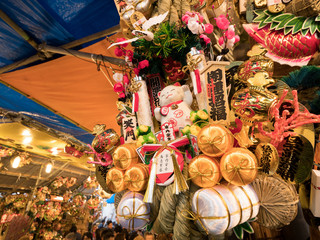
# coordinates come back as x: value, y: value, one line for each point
x: 34, y: 190
x: 89, y: 56
x: 18, y: 29
x: 72, y: 44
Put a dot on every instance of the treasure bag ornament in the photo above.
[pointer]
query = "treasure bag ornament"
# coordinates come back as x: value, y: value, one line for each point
x: 166, y: 165
x: 132, y: 212
x: 136, y: 177
x: 204, y: 171
x: 223, y: 207
x: 239, y: 166
x: 115, y: 180
x: 214, y: 140
x: 125, y: 156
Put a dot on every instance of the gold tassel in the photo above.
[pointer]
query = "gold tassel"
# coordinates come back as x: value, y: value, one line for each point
x: 179, y: 180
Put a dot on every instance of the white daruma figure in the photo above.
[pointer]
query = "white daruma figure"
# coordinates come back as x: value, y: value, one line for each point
x: 223, y: 207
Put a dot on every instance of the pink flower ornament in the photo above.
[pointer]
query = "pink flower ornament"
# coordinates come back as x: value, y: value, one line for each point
x: 222, y: 22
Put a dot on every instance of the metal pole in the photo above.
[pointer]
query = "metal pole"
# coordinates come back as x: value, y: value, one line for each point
x: 89, y: 56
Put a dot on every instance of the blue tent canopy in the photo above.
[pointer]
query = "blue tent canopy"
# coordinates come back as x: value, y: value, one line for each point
x: 54, y: 22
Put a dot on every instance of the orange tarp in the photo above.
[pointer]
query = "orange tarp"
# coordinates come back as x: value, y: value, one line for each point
x: 72, y: 87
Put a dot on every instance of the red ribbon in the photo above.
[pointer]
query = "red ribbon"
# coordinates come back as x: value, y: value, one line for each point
x: 177, y: 143
x: 136, y: 102
x: 165, y: 113
x: 197, y: 73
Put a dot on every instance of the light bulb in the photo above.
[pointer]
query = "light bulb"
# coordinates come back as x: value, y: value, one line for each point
x: 16, y: 162
x: 48, y: 167
x: 54, y: 151
x: 27, y: 140
x: 26, y: 132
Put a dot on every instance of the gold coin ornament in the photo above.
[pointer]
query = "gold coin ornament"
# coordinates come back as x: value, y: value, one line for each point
x: 275, y: 6
x: 137, y: 19
x: 268, y: 158
x: 257, y: 62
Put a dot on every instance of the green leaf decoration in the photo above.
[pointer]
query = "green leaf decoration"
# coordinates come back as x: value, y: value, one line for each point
x: 238, y: 231
x: 293, y: 22
x: 261, y: 16
x: 270, y: 19
x: 313, y: 28
x: 283, y: 23
x: 247, y: 227
x: 298, y: 26
x: 287, y: 30
x: 274, y: 25
x: 287, y: 22
x: 282, y: 17
x: 307, y: 23
x: 304, y: 31
x: 262, y: 24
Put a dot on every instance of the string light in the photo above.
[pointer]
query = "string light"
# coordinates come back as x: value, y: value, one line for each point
x: 49, y: 167
x: 16, y: 162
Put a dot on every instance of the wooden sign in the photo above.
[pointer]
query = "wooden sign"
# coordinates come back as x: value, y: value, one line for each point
x: 129, y: 125
x: 216, y: 91
x: 155, y: 85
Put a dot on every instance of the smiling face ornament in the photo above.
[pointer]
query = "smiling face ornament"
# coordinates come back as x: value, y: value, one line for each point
x: 174, y: 107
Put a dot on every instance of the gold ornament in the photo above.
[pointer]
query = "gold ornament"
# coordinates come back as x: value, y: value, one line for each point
x: 204, y: 171
x: 105, y: 140
x: 275, y: 7
x: 260, y: 3
x: 268, y: 158
x: 239, y: 166
x: 214, y: 140
x: 257, y: 62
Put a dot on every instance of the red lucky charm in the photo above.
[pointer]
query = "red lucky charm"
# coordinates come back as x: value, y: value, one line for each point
x: 69, y: 149
x: 166, y: 166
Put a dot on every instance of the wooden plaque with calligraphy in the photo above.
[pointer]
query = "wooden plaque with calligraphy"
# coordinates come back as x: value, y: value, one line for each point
x: 216, y: 91
x: 155, y: 85
x: 129, y: 126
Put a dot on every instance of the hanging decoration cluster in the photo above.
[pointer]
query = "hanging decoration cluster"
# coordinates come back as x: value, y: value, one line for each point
x: 195, y: 158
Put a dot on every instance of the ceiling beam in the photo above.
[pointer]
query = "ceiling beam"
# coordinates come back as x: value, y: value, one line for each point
x: 13, y: 187
x: 72, y: 44
x: 23, y: 175
x: 81, y: 172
